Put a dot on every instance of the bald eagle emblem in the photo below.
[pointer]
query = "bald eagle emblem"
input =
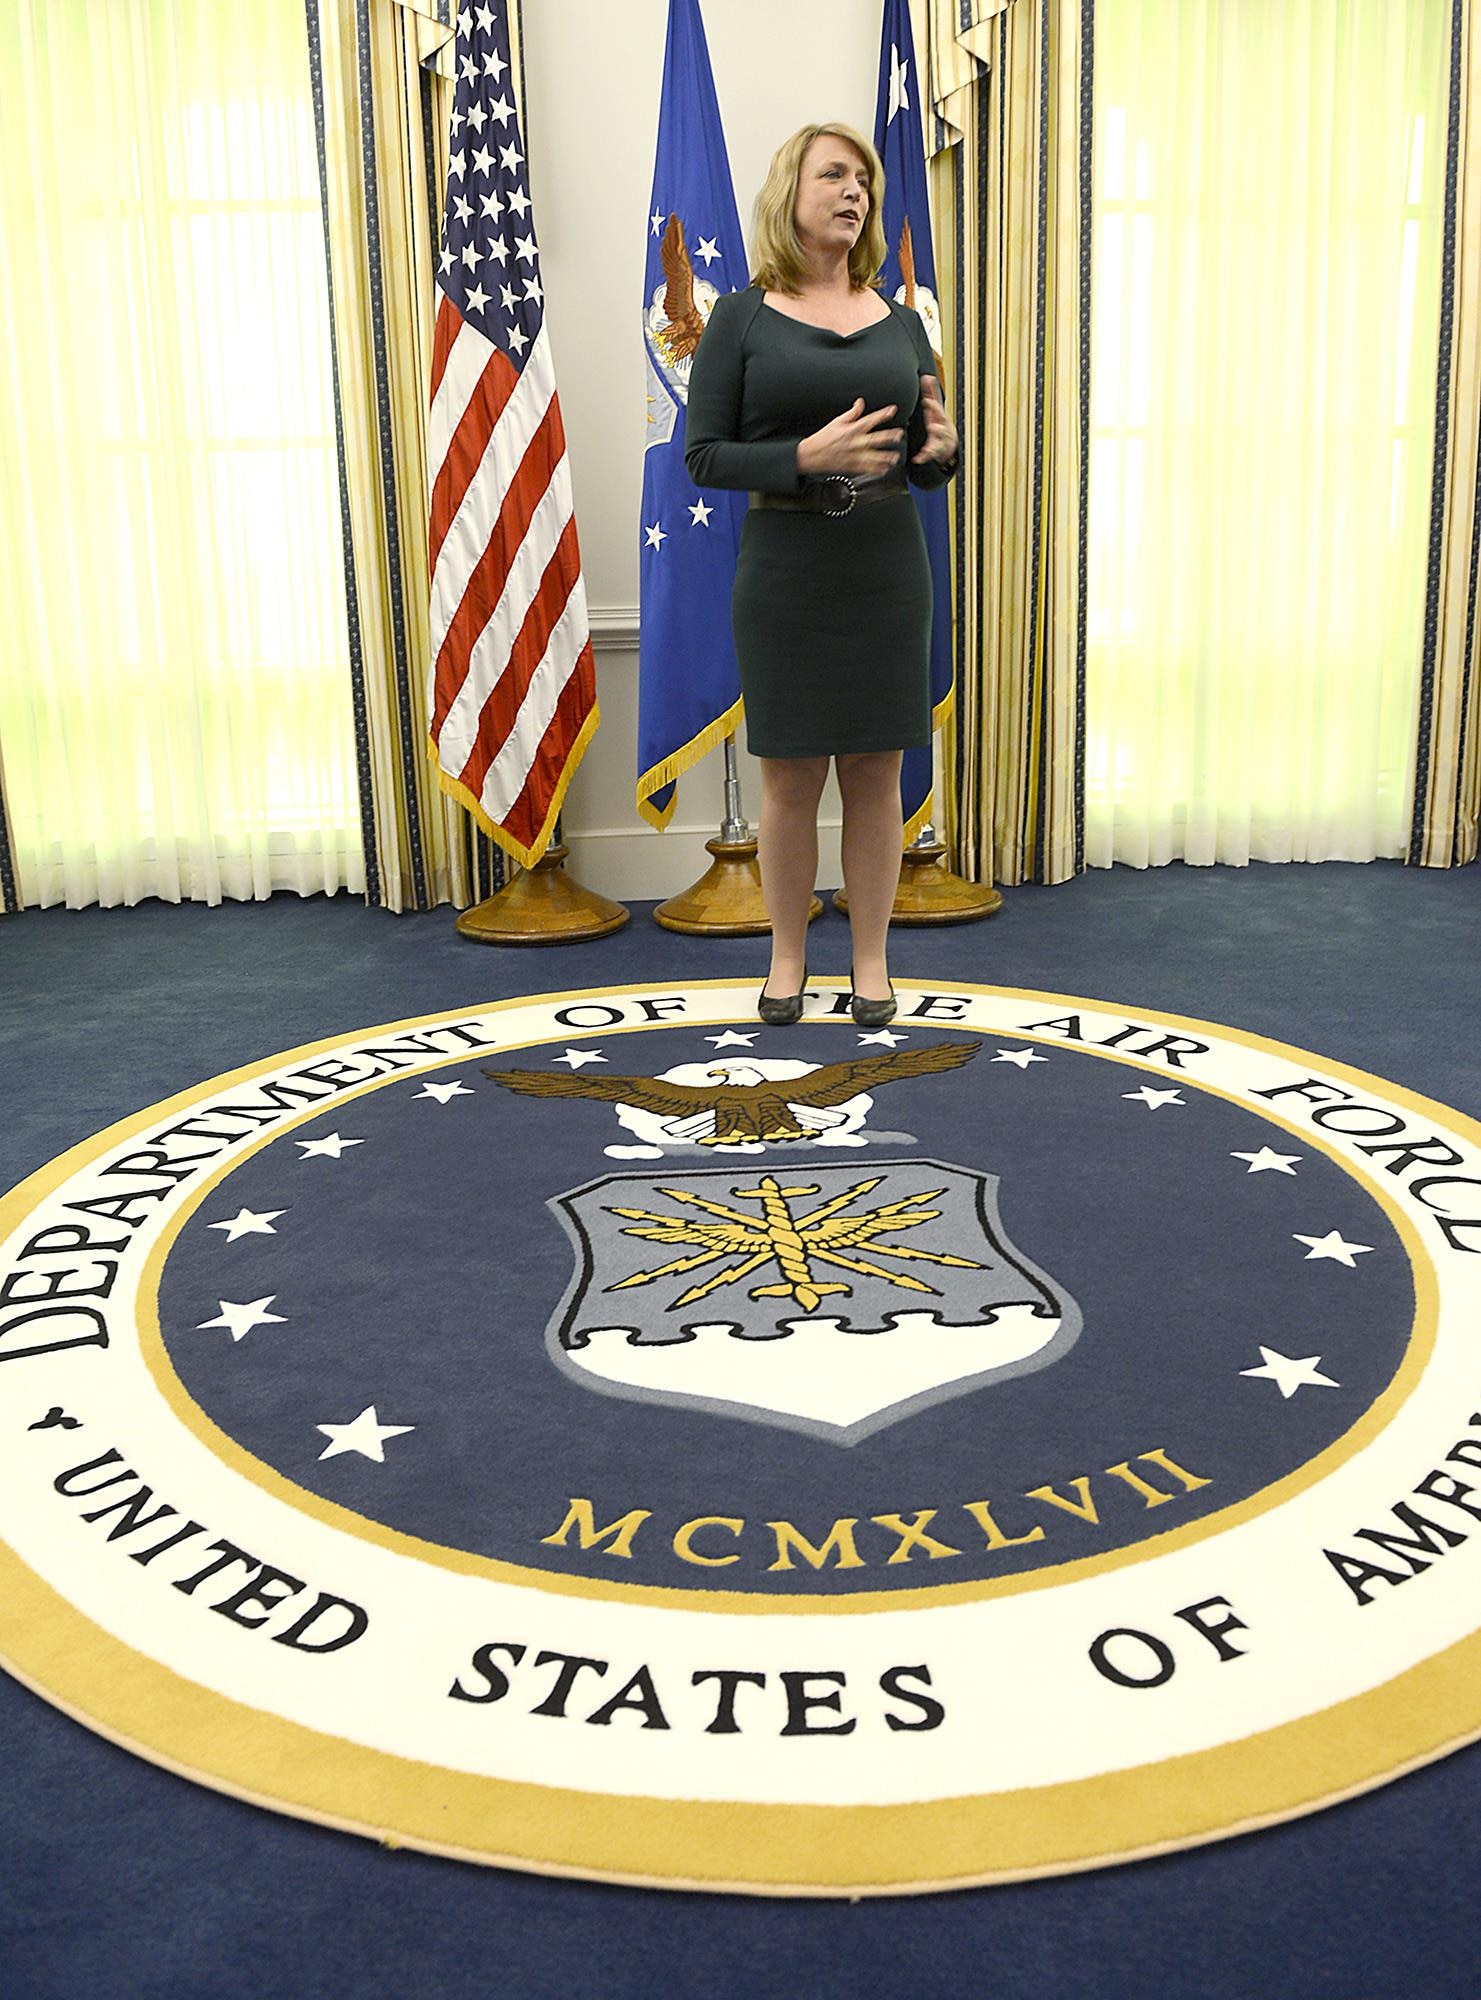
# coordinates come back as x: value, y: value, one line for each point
x: 674, y: 321
x: 920, y: 298
x: 739, y: 1104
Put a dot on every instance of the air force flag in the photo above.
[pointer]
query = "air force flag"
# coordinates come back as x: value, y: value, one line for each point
x: 688, y: 691
x: 910, y: 276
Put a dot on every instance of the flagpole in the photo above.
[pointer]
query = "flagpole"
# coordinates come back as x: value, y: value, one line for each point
x: 928, y: 893
x: 726, y: 901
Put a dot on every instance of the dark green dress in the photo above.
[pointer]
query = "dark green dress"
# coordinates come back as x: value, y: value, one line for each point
x: 832, y: 615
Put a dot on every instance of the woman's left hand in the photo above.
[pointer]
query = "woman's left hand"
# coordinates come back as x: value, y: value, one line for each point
x: 942, y: 444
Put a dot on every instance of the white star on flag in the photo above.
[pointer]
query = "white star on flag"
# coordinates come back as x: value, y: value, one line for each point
x: 884, y: 1037
x: 1023, y: 1057
x: 898, y: 100
x: 657, y: 221
x: 478, y: 298
x: 578, y: 1058
x: 656, y: 536
x: 511, y: 156
x: 731, y: 1039
x: 707, y: 250
x: 245, y: 1223
x: 1267, y: 1161
x: 519, y: 201
x: 501, y: 109
x: 1289, y: 1375
x: 525, y: 247
x: 443, y: 1091
x: 1153, y: 1099
x: 483, y: 159
x: 484, y: 17
x: 365, y: 1434
x: 328, y: 1148
x: 518, y: 340
x: 701, y: 514
x: 1331, y: 1245
x: 242, y: 1318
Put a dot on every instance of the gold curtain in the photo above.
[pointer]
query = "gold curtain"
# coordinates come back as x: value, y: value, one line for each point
x: 1447, y: 784
x: 1009, y: 86
x: 382, y: 100
x: 10, y: 894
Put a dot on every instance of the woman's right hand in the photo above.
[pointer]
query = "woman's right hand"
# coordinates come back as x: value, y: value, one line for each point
x: 854, y: 443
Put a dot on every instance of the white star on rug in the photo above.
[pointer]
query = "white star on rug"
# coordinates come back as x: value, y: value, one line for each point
x: 1288, y: 1375
x: 885, y: 1038
x: 242, y: 1318
x: 731, y: 1039
x: 443, y: 1091
x: 1023, y: 1057
x: 1267, y: 1161
x: 328, y: 1148
x: 245, y: 1223
x: 1331, y: 1245
x: 1153, y: 1099
x: 365, y: 1435
x: 578, y: 1058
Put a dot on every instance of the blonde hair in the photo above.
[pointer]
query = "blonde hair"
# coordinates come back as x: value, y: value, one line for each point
x: 780, y: 265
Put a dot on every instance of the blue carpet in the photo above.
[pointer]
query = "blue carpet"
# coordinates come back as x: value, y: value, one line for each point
x: 119, y: 1879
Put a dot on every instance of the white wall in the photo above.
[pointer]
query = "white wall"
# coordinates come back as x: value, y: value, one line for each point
x: 592, y: 73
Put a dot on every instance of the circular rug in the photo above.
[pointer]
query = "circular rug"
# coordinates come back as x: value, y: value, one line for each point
x: 599, y: 1435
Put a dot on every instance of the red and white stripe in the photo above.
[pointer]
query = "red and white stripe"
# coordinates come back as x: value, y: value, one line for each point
x: 513, y: 692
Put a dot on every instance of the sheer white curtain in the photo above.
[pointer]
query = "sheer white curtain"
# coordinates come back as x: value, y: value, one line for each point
x: 175, y: 715
x: 1268, y: 187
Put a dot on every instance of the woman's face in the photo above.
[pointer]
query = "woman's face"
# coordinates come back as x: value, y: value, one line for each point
x: 832, y: 195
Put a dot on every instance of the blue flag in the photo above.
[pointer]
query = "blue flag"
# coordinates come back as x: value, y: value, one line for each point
x: 910, y: 276
x: 688, y: 687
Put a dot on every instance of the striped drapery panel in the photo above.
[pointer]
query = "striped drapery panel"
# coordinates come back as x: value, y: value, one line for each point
x: 1009, y: 83
x: 10, y: 895
x: 1447, y: 782
x: 382, y: 97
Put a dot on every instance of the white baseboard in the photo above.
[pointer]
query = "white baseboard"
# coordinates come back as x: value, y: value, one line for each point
x: 640, y: 865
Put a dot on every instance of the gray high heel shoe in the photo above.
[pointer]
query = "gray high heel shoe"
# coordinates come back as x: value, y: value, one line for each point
x: 781, y: 1011
x: 871, y: 1013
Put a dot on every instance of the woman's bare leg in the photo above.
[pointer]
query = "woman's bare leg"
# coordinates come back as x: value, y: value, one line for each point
x: 787, y: 848
x: 873, y: 835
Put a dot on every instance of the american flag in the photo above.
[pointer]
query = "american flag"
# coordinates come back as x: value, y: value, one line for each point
x: 513, y: 691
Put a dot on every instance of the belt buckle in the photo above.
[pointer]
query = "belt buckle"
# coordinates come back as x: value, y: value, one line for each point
x: 850, y: 494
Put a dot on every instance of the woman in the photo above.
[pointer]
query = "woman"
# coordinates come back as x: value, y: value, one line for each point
x: 819, y: 395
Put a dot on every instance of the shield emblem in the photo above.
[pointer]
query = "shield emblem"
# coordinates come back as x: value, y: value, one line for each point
x: 817, y: 1298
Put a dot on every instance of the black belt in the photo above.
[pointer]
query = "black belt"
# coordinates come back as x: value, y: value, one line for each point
x: 834, y: 493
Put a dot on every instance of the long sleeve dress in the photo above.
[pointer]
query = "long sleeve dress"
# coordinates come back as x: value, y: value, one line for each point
x: 831, y: 613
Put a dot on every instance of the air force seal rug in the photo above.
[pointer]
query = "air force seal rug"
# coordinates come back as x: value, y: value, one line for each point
x: 598, y: 1435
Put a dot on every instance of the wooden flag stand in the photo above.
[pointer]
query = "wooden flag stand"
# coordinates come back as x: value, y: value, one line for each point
x: 931, y: 894
x: 542, y: 905
x: 726, y: 901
